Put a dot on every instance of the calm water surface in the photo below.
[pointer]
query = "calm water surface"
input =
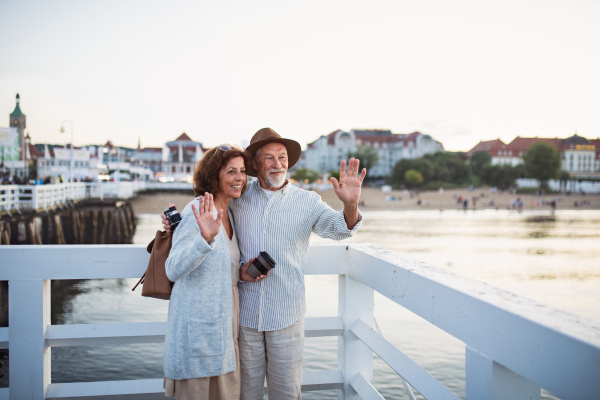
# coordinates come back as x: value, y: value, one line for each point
x: 554, y: 263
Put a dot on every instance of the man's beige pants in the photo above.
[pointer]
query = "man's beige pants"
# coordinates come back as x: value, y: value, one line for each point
x: 276, y: 355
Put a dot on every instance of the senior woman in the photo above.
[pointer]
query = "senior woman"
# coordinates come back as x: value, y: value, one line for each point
x: 201, y: 349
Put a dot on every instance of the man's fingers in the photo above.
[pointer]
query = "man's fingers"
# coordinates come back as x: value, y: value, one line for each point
x: 336, y: 184
x: 342, y: 169
x: 356, y: 167
x: 362, y: 175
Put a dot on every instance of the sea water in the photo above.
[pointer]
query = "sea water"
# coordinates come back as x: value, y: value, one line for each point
x: 552, y: 262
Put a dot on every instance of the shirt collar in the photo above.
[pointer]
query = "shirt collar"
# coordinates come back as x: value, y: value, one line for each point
x: 284, y: 189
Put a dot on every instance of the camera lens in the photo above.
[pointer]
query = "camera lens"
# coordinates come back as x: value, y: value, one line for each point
x: 173, y: 216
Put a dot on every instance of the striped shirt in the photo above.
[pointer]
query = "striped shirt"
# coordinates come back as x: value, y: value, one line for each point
x: 280, y: 225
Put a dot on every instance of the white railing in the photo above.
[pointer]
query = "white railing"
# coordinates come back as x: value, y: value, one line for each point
x: 42, y: 197
x: 39, y: 197
x: 513, y: 346
x: 111, y: 190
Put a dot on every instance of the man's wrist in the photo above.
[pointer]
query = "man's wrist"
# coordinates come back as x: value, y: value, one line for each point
x: 351, y: 206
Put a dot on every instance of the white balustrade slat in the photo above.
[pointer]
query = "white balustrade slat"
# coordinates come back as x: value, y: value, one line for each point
x: 546, y: 345
x: 323, y: 326
x: 322, y: 380
x: 488, y: 380
x: 105, y: 388
x: 327, y: 259
x: 354, y: 357
x: 151, y: 332
x: 28, y: 318
x: 365, y: 389
x: 413, y: 373
x: 73, y: 262
x: 101, y: 334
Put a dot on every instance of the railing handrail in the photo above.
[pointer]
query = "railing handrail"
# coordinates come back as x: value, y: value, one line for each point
x: 511, y: 342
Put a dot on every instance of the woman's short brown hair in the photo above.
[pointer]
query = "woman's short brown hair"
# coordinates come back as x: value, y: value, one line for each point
x: 206, y: 174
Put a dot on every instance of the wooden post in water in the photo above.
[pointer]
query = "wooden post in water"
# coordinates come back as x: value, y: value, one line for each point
x: 58, y: 230
x: 4, y: 232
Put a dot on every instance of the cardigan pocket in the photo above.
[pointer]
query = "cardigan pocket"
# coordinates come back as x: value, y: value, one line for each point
x: 205, y: 338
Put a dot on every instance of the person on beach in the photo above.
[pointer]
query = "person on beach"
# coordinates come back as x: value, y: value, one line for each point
x: 277, y: 217
x: 201, y: 359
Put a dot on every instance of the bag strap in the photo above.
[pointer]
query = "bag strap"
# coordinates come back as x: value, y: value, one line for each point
x: 140, y: 281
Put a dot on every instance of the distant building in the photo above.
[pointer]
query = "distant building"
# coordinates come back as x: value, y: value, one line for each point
x: 580, y: 157
x: 19, y: 120
x: 326, y: 153
x: 17, y: 154
x: 56, y: 162
x: 180, y: 156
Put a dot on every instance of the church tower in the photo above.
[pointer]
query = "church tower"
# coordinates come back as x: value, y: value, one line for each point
x: 19, y: 120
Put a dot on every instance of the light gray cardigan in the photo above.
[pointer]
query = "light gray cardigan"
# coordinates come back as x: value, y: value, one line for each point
x: 199, y: 339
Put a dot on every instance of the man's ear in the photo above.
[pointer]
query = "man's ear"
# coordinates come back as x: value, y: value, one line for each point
x: 254, y: 164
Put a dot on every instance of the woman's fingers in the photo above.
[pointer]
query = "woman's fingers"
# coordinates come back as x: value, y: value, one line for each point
x: 219, y: 217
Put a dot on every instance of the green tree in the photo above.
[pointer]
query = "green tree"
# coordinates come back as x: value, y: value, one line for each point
x: 425, y: 167
x: 413, y: 177
x: 335, y: 174
x: 542, y: 162
x: 478, y: 161
x: 449, y: 167
x: 501, y: 176
x: 367, y: 155
x: 306, y: 174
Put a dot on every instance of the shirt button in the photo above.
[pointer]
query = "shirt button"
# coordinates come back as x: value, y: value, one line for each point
x: 264, y: 231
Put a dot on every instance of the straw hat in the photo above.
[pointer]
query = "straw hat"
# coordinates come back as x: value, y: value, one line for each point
x: 267, y: 135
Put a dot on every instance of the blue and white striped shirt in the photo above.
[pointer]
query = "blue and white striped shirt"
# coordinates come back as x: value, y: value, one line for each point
x: 280, y: 225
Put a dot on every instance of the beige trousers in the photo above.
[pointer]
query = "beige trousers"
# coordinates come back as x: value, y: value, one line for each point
x: 276, y: 355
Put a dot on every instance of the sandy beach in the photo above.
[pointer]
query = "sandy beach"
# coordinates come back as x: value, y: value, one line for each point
x: 375, y: 199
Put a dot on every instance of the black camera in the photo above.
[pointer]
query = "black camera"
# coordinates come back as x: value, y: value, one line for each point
x: 261, y: 265
x: 173, y: 217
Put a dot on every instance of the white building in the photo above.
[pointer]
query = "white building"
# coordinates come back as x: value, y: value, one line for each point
x: 580, y: 157
x: 180, y: 156
x: 326, y: 153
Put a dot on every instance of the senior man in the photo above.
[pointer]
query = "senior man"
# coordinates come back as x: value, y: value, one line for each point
x: 277, y: 217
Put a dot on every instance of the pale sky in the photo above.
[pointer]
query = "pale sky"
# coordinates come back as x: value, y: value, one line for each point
x: 461, y: 71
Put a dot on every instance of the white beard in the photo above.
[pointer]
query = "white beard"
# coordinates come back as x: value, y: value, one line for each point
x: 274, y: 182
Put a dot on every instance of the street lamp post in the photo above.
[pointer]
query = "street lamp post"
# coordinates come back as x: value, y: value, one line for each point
x: 27, y: 143
x: 62, y: 130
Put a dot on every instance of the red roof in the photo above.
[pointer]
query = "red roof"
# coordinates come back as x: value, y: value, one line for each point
x: 34, y: 152
x: 151, y: 150
x: 489, y: 146
x: 520, y: 145
x: 183, y: 137
x: 331, y: 137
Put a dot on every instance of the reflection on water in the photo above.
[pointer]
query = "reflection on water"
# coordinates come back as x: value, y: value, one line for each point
x: 554, y: 263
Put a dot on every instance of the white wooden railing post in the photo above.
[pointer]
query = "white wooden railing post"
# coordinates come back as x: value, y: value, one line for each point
x: 488, y: 380
x: 29, y: 317
x: 34, y: 198
x: 354, y: 357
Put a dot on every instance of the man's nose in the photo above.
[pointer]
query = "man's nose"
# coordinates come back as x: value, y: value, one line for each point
x: 277, y: 163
